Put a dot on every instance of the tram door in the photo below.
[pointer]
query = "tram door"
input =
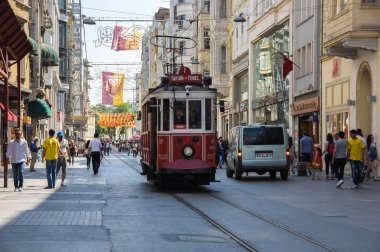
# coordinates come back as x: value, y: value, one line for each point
x: 153, y: 131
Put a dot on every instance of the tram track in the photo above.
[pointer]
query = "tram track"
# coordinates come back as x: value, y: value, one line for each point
x: 242, y: 242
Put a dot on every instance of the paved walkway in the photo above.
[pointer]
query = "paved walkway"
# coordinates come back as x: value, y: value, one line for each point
x: 35, y: 213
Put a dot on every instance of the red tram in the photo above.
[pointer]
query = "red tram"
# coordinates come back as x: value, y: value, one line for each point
x: 178, y: 135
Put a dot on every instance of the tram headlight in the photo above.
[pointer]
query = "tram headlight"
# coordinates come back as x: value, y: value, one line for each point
x: 188, y: 151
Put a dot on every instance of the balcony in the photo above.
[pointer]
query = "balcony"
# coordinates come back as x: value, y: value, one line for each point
x: 355, y: 28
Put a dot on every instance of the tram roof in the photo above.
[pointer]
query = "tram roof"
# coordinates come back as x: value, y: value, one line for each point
x: 180, y: 87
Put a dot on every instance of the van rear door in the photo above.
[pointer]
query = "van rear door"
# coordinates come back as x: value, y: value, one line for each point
x: 263, y: 143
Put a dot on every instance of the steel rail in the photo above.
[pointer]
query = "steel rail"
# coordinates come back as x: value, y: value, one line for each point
x: 304, y: 237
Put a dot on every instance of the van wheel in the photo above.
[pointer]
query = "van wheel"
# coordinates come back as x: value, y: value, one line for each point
x: 272, y: 174
x: 284, y: 175
x: 229, y: 173
x: 238, y: 173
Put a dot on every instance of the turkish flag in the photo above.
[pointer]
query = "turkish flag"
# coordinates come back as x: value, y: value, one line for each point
x: 287, y: 66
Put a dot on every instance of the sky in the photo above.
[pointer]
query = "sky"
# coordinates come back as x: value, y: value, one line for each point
x: 99, y: 53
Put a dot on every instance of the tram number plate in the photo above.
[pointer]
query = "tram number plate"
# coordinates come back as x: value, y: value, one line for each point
x: 264, y: 154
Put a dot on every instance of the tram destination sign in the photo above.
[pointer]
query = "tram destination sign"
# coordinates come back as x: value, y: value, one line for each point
x: 185, y: 78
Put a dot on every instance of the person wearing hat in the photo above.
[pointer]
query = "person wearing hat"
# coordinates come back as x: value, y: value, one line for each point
x: 62, y: 155
x: 34, y: 151
x: 355, y: 155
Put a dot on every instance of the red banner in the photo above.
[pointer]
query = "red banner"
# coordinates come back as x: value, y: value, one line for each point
x: 113, y: 85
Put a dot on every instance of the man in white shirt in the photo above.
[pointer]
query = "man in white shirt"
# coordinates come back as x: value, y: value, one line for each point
x: 62, y: 155
x: 17, y: 154
x: 95, y: 149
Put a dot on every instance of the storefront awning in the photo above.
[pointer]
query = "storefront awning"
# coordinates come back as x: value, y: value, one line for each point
x: 39, y: 109
x: 34, y: 45
x: 49, y: 56
x: 12, y: 35
x: 11, y: 117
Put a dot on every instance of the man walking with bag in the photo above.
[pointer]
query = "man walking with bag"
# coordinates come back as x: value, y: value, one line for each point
x: 17, y: 154
x: 50, y: 153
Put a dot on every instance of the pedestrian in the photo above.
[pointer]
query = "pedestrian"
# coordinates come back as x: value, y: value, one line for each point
x: 94, y: 148
x: 372, y: 158
x: 87, y: 154
x: 293, y: 154
x: 355, y: 154
x: 50, y: 153
x: 220, y: 152
x: 34, y: 151
x: 306, y: 146
x: 72, y: 151
x: 18, y: 154
x: 62, y: 156
x: 317, y: 164
x: 108, y: 147
x: 359, y: 134
x: 134, y: 149
x: 340, y: 158
x: 328, y: 152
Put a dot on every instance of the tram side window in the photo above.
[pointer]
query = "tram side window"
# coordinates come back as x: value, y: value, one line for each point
x: 195, y: 114
x: 166, y: 111
x: 208, y: 114
x: 159, y: 115
x: 179, y: 116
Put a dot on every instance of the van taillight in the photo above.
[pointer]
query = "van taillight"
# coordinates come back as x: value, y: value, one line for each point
x: 287, y: 154
x: 240, y: 156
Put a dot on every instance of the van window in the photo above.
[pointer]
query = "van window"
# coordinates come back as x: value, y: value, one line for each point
x: 263, y: 136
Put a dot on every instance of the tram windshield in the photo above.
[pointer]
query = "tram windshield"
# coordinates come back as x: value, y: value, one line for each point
x: 185, y: 115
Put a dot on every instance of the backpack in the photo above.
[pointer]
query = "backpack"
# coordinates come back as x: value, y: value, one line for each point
x: 330, y: 148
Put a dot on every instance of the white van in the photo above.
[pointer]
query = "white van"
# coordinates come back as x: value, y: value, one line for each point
x: 259, y: 148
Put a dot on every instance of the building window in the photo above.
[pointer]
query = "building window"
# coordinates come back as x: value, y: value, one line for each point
x: 206, y: 37
x: 338, y: 122
x: 181, y: 1
x: 179, y: 21
x: 62, y: 6
x: 62, y: 34
x: 206, y: 6
x: 241, y: 83
x: 305, y: 10
x: 223, y: 59
x: 223, y: 9
x: 338, y: 6
x: 337, y: 95
x: 304, y: 57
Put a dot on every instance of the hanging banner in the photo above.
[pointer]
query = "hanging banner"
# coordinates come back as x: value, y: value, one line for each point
x: 113, y: 85
x: 113, y: 120
x: 125, y: 38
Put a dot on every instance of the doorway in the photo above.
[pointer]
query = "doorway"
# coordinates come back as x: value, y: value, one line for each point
x: 363, y: 106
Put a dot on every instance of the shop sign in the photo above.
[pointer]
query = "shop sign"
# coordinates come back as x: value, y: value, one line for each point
x: 27, y: 120
x: 305, y: 106
x: 270, y: 99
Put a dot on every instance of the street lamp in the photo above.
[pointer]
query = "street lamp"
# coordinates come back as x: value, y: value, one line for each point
x: 88, y: 21
x: 240, y: 18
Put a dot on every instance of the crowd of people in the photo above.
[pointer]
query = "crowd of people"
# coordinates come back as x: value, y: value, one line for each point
x: 57, y: 152
x: 361, y: 153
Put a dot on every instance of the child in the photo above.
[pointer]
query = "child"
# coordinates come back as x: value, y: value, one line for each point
x: 317, y: 163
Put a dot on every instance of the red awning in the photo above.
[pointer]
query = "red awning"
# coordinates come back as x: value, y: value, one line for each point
x: 11, y: 33
x: 11, y: 117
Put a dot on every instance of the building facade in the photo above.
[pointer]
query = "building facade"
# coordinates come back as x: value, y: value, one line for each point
x: 305, y: 99
x: 350, y: 66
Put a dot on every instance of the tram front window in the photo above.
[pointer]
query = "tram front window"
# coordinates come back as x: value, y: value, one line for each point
x: 195, y: 114
x: 179, y: 115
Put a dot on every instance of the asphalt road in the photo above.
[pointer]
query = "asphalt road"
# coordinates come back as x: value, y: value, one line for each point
x: 117, y: 210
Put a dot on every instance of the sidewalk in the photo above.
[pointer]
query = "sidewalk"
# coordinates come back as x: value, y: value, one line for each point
x: 36, y: 213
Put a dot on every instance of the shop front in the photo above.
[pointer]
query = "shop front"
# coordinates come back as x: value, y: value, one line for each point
x: 306, y: 118
x: 270, y: 101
